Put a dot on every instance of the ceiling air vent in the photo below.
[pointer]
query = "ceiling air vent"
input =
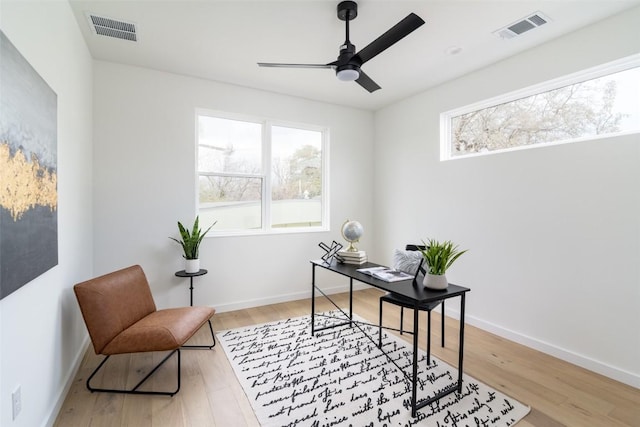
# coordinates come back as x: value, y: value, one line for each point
x: 525, y: 24
x: 109, y: 27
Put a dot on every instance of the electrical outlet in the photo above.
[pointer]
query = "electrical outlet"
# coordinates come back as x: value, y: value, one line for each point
x: 16, y: 401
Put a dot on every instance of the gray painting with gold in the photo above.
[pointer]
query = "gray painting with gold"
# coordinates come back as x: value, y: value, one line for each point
x: 28, y: 172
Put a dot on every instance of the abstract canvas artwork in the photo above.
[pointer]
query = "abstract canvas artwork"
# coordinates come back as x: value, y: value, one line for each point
x: 28, y: 172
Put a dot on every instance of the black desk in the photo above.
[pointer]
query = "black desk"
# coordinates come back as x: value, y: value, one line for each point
x: 407, y: 288
x: 183, y: 273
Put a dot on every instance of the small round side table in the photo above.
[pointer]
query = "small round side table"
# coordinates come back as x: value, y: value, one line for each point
x: 201, y: 272
x: 183, y: 273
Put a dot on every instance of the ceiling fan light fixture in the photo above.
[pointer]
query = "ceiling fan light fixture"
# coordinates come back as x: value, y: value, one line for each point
x: 348, y: 75
x: 347, y: 66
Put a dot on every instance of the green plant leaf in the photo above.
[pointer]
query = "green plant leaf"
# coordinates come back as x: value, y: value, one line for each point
x: 439, y: 256
x: 190, y: 240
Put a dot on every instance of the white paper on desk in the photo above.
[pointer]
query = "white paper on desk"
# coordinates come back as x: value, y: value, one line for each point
x: 385, y: 273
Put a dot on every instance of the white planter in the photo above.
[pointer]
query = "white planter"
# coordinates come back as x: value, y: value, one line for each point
x: 435, y: 281
x: 191, y: 265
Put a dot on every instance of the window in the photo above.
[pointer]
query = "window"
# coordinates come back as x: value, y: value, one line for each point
x: 596, y: 103
x: 257, y: 176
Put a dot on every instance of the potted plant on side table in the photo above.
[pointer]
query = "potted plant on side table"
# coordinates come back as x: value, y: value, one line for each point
x: 190, y: 242
x: 439, y: 256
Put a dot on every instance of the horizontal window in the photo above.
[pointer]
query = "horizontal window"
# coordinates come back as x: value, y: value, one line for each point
x: 596, y: 103
x: 257, y: 176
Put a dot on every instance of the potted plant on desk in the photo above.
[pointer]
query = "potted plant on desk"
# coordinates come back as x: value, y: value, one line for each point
x: 190, y: 242
x: 439, y: 256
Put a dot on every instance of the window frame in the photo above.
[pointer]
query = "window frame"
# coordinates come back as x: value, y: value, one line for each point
x: 266, y: 175
x: 623, y: 64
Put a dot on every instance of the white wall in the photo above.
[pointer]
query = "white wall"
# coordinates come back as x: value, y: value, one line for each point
x: 42, y: 331
x: 144, y: 159
x: 553, y: 233
x: 507, y: 208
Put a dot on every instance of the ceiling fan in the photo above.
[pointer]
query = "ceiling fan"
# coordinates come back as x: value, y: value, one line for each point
x: 348, y: 64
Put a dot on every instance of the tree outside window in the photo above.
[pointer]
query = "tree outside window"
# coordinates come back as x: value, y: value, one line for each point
x: 587, y: 109
x: 236, y: 188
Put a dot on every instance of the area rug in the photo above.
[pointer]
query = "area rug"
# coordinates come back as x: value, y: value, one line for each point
x: 339, y: 377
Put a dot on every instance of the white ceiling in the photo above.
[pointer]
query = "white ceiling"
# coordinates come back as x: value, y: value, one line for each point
x: 223, y: 40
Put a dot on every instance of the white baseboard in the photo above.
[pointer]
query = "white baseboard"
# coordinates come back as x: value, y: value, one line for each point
x: 588, y: 363
x: 62, y: 394
x: 257, y: 302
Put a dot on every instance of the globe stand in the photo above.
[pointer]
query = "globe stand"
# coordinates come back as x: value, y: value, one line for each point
x: 352, y: 247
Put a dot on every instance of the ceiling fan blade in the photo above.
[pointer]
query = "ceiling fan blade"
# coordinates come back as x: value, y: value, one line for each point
x: 366, y: 82
x: 279, y: 65
x: 391, y: 37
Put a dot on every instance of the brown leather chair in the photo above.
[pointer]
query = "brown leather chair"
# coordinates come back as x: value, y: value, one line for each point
x: 121, y: 317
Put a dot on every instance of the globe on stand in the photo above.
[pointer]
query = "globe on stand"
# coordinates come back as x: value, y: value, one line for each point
x: 352, y: 232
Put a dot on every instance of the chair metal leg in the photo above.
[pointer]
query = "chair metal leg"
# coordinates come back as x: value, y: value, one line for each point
x: 135, y: 390
x: 213, y: 337
x: 401, y: 319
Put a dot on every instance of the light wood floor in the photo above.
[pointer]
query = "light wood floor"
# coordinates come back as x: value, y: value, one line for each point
x: 560, y: 394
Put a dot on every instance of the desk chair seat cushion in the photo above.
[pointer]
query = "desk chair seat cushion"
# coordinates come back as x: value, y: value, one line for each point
x: 407, y: 303
x: 406, y: 261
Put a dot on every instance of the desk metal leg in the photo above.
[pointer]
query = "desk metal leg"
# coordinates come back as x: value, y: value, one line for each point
x: 442, y: 323
x: 461, y: 349
x: 350, y: 301
x: 380, y: 324
x: 414, y: 377
x: 455, y: 387
x: 313, y: 298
